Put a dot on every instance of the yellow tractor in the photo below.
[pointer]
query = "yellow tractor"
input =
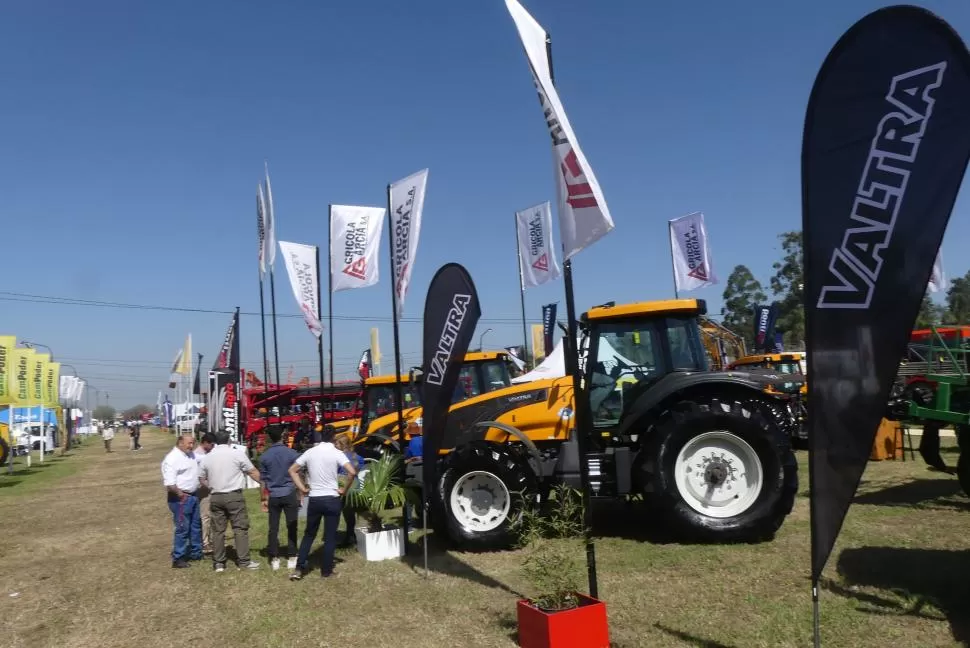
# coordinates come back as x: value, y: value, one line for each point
x: 793, y: 417
x: 377, y: 428
x: 701, y: 447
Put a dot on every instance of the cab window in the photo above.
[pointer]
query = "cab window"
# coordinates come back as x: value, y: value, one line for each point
x: 627, y: 353
x: 496, y: 375
x: 467, y: 386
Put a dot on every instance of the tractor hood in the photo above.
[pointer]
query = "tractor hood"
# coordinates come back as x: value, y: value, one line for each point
x: 784, y: 382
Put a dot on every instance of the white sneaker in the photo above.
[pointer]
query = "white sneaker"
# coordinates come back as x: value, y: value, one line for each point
x: 275, y: 564
x: 250, y: 566
x: 220, y: 568
x: 291, y: 563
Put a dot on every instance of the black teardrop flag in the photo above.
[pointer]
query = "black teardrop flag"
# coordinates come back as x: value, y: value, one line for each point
x: 451, y: 313
x: 885, y: 147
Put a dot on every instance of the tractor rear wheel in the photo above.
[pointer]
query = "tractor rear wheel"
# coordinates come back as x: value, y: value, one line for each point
x: 719, y: 471
x: 481, y: 493
x: 4, y: 451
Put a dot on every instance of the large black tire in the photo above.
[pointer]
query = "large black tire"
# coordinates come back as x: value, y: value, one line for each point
x: 687, y: 420
x: 963, y: 463
x: 4, y: 452
x: 503, y: 462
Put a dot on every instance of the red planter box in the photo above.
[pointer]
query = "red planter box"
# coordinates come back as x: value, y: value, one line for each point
x: 582, y: 627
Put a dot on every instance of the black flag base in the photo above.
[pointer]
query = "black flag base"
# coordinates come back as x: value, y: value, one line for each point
x: 884, y: 150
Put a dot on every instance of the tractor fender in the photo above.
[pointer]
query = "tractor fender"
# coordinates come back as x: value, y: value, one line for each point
x: 382, y: 436
x: 678, y: 382
x: 520, y: 435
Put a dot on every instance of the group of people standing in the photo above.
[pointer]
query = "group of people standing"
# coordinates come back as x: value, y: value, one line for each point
x: 215, y: 473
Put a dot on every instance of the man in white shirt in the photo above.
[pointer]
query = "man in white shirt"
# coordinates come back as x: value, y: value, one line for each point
x: 206, y: 443
x: 180, y: 475
x: 322, y: 462
x: 224, y: 472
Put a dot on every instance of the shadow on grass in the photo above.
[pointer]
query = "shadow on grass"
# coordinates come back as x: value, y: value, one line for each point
x: 936, y: 493
x: 690, y: 639
x: 920, y: 576
x: 441, y: 561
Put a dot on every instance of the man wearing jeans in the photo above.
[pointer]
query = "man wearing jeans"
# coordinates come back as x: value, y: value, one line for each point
x: 224, y: 471
x: 279, y: 496
x: 180, y: 475
x: 322, y: 463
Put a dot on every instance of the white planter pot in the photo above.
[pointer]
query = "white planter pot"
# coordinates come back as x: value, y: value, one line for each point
x: 380, y: 545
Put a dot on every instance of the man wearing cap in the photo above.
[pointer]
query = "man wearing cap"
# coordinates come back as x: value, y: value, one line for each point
x: 180, y: 475
x: 224, y: 471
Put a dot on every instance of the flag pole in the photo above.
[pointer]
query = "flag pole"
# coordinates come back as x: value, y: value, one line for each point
x: 272, y: 299
x: 398, y: 390
x: 320, y: 338
x: 583, y: 426
x: 673, y: 267
x: 525, y: 328
x: 262, y: 325
x: 330, y: 285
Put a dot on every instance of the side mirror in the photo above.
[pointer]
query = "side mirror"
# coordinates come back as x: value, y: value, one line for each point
x: 414, y: 374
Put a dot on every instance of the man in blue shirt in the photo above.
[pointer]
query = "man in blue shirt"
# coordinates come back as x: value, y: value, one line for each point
x: 279, y: 496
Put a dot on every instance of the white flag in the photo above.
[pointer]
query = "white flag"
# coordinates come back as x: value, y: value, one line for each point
x: 355, y: 243
x: 537, y: 254
x: 261, y: 229
x: 938, y: 277
x: 65, y: 388
x: 584, y: 217
x: 406, y: 199
x: 79, y: 390
x: 269, y: 225
x: 691, y: 254
x: 301, y: 266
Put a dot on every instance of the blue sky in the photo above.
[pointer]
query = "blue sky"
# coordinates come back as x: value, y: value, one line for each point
x: 135, y: 133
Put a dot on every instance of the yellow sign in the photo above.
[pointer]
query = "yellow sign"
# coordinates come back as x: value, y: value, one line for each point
x: 21, y: 361
x: 375, y: 346
x: 8, y: 343
x: 38, y: 374
x: 51, y: 384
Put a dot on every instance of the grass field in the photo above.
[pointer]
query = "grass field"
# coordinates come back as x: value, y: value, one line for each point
x: 84, y: 562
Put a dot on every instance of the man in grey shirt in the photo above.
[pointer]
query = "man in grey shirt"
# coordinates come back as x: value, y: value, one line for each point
x: 224, y: 472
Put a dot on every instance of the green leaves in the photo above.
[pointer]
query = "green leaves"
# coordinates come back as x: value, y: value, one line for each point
x: 382, y: 489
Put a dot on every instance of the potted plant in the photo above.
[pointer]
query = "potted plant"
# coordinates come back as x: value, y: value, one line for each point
x: 556, y: 614
x: 381, y: 488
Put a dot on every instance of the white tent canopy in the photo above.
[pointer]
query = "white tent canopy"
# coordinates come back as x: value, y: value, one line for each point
x: 554, y: 365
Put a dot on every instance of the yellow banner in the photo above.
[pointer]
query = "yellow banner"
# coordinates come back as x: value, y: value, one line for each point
x: 8, y: 343
x: 185, y: 363
x: 52, y: 384
x: 21, y: 361
x: 375, y: 346
x: 38, y: 376
x: 538, y: 343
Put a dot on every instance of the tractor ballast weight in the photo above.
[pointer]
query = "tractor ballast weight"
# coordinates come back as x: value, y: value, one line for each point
x: 703, y: 448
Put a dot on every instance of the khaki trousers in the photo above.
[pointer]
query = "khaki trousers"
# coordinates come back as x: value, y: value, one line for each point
x: 229, y: 508
x: 203, y: 494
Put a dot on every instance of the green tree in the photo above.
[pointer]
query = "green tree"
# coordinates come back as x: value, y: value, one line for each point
x: 104, y: 412
x: 136, y: 411
x: 741, y: 293
x: 788, y: 284
x: 958, y: 300
x: 930, y: 314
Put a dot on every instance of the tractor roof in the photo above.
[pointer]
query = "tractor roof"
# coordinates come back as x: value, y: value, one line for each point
x: 474, y: 356
x: 650, y: 308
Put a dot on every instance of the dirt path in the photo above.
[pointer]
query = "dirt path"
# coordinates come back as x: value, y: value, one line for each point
x: 88, y: 550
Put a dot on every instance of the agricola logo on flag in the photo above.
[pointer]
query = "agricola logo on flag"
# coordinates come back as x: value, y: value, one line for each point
x: 355, y: 241
x: 355, y: 248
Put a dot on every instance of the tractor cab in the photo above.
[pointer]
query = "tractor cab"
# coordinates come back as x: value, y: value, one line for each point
x: 633, y: 346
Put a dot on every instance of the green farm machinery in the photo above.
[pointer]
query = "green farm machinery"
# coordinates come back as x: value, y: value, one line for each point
x: 932, y: 389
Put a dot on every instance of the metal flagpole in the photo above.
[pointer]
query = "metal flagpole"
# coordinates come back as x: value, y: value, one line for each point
x: 320, y: 339
x: 262, y: 325
x: 583, y: 426
x: 518, y: 255
x: 673, y: 267
x: 330, y: 285
x: 272, y: 300
x: 398, y: 390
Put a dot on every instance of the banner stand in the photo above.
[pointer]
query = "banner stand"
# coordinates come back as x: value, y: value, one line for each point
x: 329, y: 284
x: 673, y: 266
x: 525, y: 328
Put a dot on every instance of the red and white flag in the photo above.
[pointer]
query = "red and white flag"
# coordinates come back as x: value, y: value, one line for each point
x: 261, y: 228
x: 406, y: 200
x: 301, y: 266
x: 537, y: 254
x: 355, y: 242
x: 584, y: 217
x: 363, y: 367
x: 693, y: 266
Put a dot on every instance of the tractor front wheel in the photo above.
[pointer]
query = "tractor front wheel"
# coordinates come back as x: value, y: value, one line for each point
x: 719, y: 471
x: 481, y: 493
